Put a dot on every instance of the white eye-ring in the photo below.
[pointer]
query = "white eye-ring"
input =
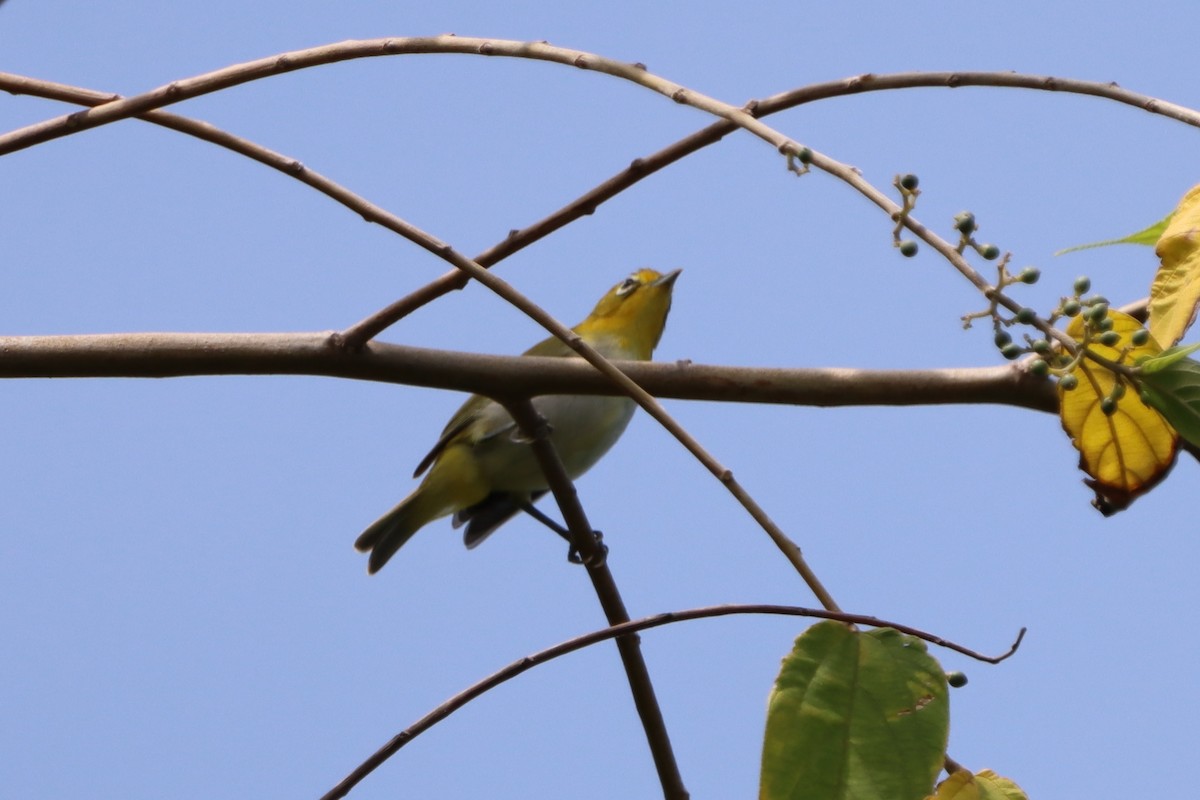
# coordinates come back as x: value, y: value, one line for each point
x: 627, y: 286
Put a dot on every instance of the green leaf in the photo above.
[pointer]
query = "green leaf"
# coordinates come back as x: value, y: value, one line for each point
x: 1147, y: 236
x: 855, y: 716
x: 1153, y: 364
x: 1173, y: 388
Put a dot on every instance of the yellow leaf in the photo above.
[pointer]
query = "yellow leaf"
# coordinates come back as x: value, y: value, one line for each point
x: 1129, y: 451
x: 985, y: 785
x: 1175, y: 293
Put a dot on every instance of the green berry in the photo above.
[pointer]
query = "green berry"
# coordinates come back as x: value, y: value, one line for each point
x: 1108, y: 406
x: 990, y: 252
x: 1082, y: 284
x: 1011, y: 350
x: 1118, y: 391
x: 908, y: 248
x: 1104, y: 324
x: 956, y: 680
x: 909, y: 182
x: 1068, y: 382
x: 1140, y: 337
x: 1071, y: 308
x: 964, y: 222
x: 1110, y: 338
x: 1026, y: 315
x: 1039, y: 367
x: 1003, y: 338
x: 1029, y: 275
x: 1098, y: 312
x: 1040, y: 346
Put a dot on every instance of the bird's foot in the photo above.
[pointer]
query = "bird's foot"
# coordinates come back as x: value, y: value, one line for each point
x: 595, y: 560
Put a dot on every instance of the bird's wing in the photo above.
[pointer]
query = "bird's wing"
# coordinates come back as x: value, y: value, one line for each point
x: 478, y: 419
x: 455, y: 427
x: 494, y: 420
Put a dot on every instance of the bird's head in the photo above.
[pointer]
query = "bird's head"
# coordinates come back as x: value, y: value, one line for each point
x: 630, y: 318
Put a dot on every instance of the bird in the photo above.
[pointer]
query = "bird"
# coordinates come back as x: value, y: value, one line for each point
x: 482, y: 471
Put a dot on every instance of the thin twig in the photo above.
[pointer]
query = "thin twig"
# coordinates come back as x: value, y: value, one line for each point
x: 593, y: 555
x: 951, y: 766
x: 869, y: 82
x: 563, y: 648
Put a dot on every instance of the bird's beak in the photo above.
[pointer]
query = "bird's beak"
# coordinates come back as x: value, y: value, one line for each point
x: 668, y: 279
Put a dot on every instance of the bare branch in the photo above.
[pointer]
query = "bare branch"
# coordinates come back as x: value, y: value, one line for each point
x: 869, y: 82
x: 238, y: 74
x: 165, y: 355
x: 578, y: 643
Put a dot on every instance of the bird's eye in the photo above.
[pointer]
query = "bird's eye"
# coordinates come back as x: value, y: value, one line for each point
x: 627, y: 286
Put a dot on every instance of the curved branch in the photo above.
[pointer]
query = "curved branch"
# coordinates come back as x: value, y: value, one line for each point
x: 282, y: 63
x: 535, y: 659
x: 589, y: 201
x: 166, y: 355
x: 869, y: 82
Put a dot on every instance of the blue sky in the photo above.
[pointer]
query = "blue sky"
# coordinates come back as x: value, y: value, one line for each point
x: 183, y: 612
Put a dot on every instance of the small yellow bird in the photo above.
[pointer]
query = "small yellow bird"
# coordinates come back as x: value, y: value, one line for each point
x: 483, y: 472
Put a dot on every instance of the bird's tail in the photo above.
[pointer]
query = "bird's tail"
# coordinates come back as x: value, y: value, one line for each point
x: 453, y: 483
x: 388, y: 534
